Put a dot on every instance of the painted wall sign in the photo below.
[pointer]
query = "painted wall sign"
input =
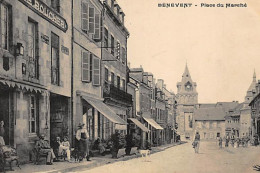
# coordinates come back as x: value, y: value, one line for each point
x: 64, y: 50
x: 46, y: 12
x: 45, y: 38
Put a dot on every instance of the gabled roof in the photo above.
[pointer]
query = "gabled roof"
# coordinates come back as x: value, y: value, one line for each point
x: 227, y: 105
x: 212, y: 113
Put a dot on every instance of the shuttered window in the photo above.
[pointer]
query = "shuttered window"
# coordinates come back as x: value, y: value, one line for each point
x: 112, y: 45
x: 97, y: 26
x: 84, y: 16
x: 91, y: 20
x: 85, y: 66
x: 96, y: 71
x: 106, y: 39
x: 118, y: 50
x: 123, y: 55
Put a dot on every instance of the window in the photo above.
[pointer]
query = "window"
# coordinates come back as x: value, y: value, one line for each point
x: 97, y: 26
x: 106, y: 39
x: 5, y: 33
x: 55, y: 4
x: 33, y: 46
x: 33, y: 115
x: 54, y: 59
x: 106, y: 75
x: 85, y: 73
x: 123, y: 84
x: 112, y: 45
x: 123, y: 55
x: 118, y: 50
x: 112, y: 78
x: 91, y: 20
x: 84, y: 16
x: 118, y: 82
x: 96, y: 71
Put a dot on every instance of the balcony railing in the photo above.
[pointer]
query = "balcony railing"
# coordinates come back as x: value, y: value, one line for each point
x: 113, y: 93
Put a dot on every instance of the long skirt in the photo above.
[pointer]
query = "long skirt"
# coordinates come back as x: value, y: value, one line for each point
x: 84, y: 147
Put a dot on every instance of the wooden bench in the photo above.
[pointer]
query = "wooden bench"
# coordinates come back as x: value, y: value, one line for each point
x: 8, y: 155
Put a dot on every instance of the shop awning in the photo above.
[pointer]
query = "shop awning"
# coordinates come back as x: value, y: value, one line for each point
x: 153, y: 123
x: 23, y: 85
x: 106, y: 111
x: 139, y: 124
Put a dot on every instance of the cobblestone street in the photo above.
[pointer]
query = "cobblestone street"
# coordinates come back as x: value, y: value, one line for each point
x: 182, y: 159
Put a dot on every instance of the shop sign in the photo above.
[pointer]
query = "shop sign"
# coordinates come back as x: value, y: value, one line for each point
x: 45, y: 39
x: 46, y: 12
x: 64, y: 50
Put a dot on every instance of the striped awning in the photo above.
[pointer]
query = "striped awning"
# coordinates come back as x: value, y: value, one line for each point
x: 153, y: 123
x: 106, y: 111
x: 23, y: 85
x: 139, y: 124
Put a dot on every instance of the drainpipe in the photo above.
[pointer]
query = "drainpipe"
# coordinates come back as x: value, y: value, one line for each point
x: 72, y: 41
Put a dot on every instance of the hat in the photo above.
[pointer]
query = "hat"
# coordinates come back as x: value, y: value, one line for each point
x: 81, y: 125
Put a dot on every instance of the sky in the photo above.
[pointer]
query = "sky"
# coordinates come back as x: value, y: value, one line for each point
x: 220, y: 45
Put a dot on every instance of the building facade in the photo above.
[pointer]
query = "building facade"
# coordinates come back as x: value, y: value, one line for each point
x: 114, y: 61
x: 209, y: 122
x: 89, y: 74
x: 34, y: 86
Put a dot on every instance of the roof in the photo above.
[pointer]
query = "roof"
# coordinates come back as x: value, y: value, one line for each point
x: 211, y: 113
x: 227, y: 105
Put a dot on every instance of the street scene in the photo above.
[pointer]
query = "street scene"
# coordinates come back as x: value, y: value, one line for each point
x: 122, y: 86
x: 209, y: 159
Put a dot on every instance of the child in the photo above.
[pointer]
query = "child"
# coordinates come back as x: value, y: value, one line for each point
x: 65, y: 146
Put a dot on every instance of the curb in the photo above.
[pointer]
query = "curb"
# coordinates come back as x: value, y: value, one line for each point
x: 104, y: 162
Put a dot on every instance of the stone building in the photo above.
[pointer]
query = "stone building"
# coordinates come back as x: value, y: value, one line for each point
x: 187, y: 100
x: 89, y: 75
x: 143, y: 104
x: 114, y: 62
x: 209, y: 122
x: 35, y: 71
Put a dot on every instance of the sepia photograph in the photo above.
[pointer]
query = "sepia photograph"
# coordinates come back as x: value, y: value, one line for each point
x: 133, y: 86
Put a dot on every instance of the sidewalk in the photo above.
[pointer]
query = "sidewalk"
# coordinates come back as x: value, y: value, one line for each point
x: 64, y: 166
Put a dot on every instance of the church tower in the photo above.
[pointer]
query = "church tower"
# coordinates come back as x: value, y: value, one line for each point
x: 187, y: 99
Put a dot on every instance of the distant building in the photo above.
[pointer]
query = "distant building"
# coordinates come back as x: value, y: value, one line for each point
x: 187, y: 100
x: 232, y: 121
x: 210, y: 122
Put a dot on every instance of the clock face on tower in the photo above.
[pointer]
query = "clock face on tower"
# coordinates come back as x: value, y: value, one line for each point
x: 188, y: 86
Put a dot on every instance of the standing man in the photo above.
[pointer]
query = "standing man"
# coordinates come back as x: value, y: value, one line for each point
x: 82, y: 137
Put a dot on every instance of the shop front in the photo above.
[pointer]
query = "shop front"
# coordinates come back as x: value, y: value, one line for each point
x: 101, y: 121
x: 59, y: 117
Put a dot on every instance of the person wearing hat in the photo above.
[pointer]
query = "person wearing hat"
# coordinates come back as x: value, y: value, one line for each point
x: 82, y: 137
x: 43, y: 147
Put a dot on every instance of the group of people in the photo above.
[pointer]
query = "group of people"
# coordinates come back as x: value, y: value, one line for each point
x: 59, y: 147
x: 233, y: 141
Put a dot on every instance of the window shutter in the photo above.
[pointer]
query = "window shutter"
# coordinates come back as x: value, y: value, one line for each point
x: 84, y: 16
x: 85, y: 66
x: 123, y: 56
x: 96, y: 71
x: 97, y: 26
x: 91, y: 20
